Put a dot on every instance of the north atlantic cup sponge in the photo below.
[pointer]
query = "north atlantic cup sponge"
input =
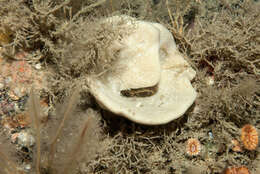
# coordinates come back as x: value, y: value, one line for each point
x: 150, y: 81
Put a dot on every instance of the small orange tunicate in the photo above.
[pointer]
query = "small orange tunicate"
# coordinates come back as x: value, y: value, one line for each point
x: 249, y: 137
x: 237, y: 170
x: 193, y: 147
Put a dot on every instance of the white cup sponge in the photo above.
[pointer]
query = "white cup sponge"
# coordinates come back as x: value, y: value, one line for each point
x: 148, y: 60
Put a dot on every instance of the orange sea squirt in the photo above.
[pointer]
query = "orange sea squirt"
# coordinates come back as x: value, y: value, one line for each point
x: 249, y: 137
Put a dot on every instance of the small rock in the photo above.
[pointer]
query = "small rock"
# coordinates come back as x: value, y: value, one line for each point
x: 27, y: 167
x: 16, y: 107
x: 12, y: 95
x: 8, y: 80
x: 210, y: 80
x: 38, y: 66
x: 1, y: 85
x: 20, y: 91
x: 25, y: 139
x: 210, y: 135
x: 6, y: 107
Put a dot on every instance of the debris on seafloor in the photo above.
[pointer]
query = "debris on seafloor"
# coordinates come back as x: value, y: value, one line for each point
x: 17, y: 77
x: 150, y: 82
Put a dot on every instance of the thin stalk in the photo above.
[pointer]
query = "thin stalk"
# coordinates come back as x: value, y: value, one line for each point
x: 35, y: 114
x: 67, y: 113
x: 87, y: 8
x: 77, y: 147
x: 111, y: 5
